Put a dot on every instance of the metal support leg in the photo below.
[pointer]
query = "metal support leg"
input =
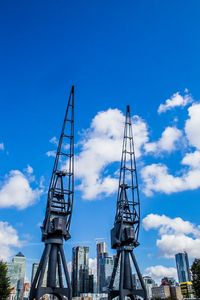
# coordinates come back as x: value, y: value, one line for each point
x: 114, y: 271
x: 60, y: 271
x: 121, y: 279
x: 66, y: 271
x: 139, y: 275
x: 53, y: 258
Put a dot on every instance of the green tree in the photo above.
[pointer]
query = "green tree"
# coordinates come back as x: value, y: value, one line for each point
x: 4, y: 281
x: 196, y: 277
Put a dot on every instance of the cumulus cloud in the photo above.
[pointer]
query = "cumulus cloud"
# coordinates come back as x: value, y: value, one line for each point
x: 16, y: 190
x: 176, y: 100
x: 169, y: 245
x: 192, y: 160
x: 192, y: 125
x: 167, y: 142
x: 167, y: 225
x: 101, y: 145
x: 156, y: 178
x: 9, y: 240
x: 2, y: 147
x: 175, y: 235
x: 159, y: 271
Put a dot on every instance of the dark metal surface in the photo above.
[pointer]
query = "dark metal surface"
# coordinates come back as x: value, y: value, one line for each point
x: 124, y: 235
x: 52, y: 276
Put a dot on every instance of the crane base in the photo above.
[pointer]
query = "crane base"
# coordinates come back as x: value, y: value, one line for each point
x: 49, y: 277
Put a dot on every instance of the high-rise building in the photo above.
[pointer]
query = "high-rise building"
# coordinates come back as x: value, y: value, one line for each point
x: 80, y: 270
x: 105, y: 271
x: 16, y: 272
x: 182, y: 265
x: 101, y: 250
x: 149, y: 283
x: 17, y: 268
x: 34, y: 270
x: 91, y: 283
x: 104, y: 267
x: 136, y: 282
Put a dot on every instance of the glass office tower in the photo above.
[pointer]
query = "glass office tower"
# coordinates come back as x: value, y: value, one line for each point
x: 104, y: 267
x: 80, y: 270
x: 182, y: 264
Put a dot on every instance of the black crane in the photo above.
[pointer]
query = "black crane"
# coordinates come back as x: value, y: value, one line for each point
x: 49, y: 277
x: 124, y: 235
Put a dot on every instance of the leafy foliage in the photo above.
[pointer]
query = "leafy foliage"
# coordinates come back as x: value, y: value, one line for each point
x: 196, y: 277
x: 4, y: 281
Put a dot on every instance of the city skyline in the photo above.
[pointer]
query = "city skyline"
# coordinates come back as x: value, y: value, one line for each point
x: 85, y: 283
x: 115, y: 55
x: 81, y: 255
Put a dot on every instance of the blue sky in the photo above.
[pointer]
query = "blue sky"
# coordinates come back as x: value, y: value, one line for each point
x: 137, y: 53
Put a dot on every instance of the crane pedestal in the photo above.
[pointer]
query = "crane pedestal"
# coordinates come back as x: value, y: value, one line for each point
x: 127, y: 287
x: 48, y: 278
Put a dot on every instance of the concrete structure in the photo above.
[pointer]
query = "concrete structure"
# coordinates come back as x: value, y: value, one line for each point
x: 176, y: 293
x: 162, y: 292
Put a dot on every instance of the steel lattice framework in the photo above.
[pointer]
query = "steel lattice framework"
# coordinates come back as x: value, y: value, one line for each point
x: 52, y: 275
x: 124, y: 235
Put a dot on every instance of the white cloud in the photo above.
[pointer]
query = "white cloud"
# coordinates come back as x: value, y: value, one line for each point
x: 159, y: 271
x: 167, y: 143
x: 16, y: 191
x: 176, y: 235
x: 29, y: 169
x: 175, y: 101
x: 192, y: 160
x: 101, y: 145
x: 51, y: 153
x: 167, y: 225
x: 54, y: 140
x: 9, y: 240
x: 192, y: 125
x: 2, y: 147
x: 169, y: 245
x: 156, y: 178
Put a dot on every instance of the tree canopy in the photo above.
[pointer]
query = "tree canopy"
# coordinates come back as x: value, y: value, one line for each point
x: 4, y: 281
x: 196, y: 277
